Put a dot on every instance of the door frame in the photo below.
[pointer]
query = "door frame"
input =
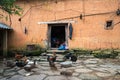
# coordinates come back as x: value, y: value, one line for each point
x: 49, y: 33
x: 4, y: 39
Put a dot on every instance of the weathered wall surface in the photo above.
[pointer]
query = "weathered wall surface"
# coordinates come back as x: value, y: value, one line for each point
x: 88, y: 33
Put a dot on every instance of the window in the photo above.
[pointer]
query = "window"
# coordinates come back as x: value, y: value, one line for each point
x: 109, y: 24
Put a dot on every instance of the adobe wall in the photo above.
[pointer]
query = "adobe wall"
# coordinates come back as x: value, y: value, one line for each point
x: 88, y: 33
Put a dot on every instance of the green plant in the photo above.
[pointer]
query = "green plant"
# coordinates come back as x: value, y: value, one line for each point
x: 36, y: 51
x: 78, y: 51
x: 33, y: 53
x: 107, y: 53
x: 10, y: 7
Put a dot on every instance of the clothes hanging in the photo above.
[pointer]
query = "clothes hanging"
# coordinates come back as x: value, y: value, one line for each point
x: 70, y: 31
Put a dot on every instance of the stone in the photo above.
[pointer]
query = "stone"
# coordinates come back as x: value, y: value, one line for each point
x: 73, y: 78
x: 45, y: 64
x: 115, y: 67
x: 51, y: 73
x: 113, y: 72
x: 45, y: 68
x: 63, y: 69
x: 57, y: 65
x: 35, y: 77
x: 3, y: 79
x: 103, y: 74
x: 27, y: 74
x: 91, y: 65
x: 17, y: 77
x: 91, y: 61
x: 117, y: 77
x: 9, y: 73
x: 89, y: 77
x: 1, y: 71
x: 71, y: 68
x: 66, y: 64
x: 43, y: 57
x: 75, y: 64
x: 43, y: 54
x: 118, y: 71
x: 43, y: 60
x: 9, y: 70
x: 56, y: 78
x: 24, y: 73
x: 16, y: 68
x: 78, y: 61
x: 67, y: 73
x: 27, y: 67
x: 101, y: 69
x: 83, y: 70
x: 80, y: 66
x: 75, y: 74
x: 104, y: 66
x: 59, y: 60
x: 111, y: 65
x: 10, y: 63
x: 36, y: 70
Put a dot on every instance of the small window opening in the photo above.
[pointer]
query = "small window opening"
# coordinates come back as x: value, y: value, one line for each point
x: 109, y: 24
x: 118, y: 12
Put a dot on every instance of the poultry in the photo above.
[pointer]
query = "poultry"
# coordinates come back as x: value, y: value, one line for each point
x: 8, y: 63
x: 70, y: 56
x: 21, y: 60
x: 18, y: 56
x: 66, y: 73
x: 73, y: 58
x: 30, y: 65
x: 51, y: 60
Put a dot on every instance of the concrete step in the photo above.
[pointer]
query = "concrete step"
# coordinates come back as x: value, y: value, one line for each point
x: 57, y: 51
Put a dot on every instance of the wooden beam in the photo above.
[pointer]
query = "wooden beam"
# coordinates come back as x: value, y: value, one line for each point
x: 57, y: 22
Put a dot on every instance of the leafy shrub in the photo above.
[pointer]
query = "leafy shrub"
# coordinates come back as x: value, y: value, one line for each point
x: 36, y: 52
x: 105, y: 54
x: 79, y: 51
x: 33, y: 53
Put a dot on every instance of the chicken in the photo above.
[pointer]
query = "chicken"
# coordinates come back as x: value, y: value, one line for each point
x: 9, y: 63
x: 66, y: 73
x: 51, y: 60
x: 21, y: 60
x: 18, y: 56
x: 70, y: 56
x: 30, y: 65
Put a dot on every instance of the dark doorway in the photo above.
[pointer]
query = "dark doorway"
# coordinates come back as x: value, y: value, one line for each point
x: 1, y: 43
x: 57, y: 36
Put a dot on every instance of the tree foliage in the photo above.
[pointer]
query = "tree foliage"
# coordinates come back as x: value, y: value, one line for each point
x: 10, y: 7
